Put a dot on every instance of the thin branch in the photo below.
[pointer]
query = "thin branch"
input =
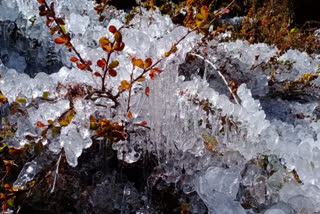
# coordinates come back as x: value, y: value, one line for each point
x: 56, y: 173
x: 237, y: 100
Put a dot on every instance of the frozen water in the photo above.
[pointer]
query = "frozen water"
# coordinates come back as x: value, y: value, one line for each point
x: 182, y: 112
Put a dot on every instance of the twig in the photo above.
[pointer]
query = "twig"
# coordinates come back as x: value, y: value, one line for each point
x: 238, y: 101
x: 56, y: 173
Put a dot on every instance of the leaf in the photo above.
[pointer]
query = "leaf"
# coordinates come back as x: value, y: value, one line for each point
x: 129, y: 115
x: 81, y: 66
x: 45, y: 94
x: 139, y: 63
x: 112, y: 72
x: 147, y: 91
x: 104, y: 41
x: 157, y: 70
x: 10, y: 162
x: 113, y: 64
x: 102, y: 63
x: 97, y: 74
x: 41, y: 2
x: 143, y: 123
x: 118, y: 37
x: 152, y: 74
x: 63, y: 29
x: 147, y: 63
x: 107, y: 48
x: 174, y: 48
x: 10, y: 202
x: 74, y: 59
x: 112, y: 29
x: 166, y: 54
x: 204, y: 11
x: 63, y: 123
x: 40, y: 124
x: 92, y: 118
x: 119, y: 46
x: 2, y: 196
x: 141, y: 79
x: 124, y: 85
x: 60, y: 40
x: 21, y: 100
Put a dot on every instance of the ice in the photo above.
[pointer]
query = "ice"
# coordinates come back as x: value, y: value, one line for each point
x: 78, y: 23
x: 27, y: 173
x: 48, y: 111
x: 194, y: 125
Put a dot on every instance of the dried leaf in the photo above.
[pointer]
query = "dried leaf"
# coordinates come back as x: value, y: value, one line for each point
x: 146, y: 91
x: 129, y: 115
x: 157, y: 70
x: 104, y: 41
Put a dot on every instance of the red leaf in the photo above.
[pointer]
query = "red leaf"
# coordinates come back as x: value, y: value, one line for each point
x: 97, y: 74
x: 112, y: 72
x: 143, y: 123
x: 74, y: 59
x: 40, y: 124
x: 49, y: 21
x: 102, y: 63
x: 146, y: 91
x: 41, y: 2
x: 112, y: 29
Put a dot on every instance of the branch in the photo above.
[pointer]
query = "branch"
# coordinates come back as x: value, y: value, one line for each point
x: 235, y: 97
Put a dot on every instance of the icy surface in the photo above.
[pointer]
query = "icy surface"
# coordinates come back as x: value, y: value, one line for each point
x: 258, y: 154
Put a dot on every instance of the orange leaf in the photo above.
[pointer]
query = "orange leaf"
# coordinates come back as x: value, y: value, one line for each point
x: 147, y: 63
x: 81, y: 66
x: 39, y: 124
x: 124, y: 85
x: 2, y: 196
x: 112, y: 29
x: 139, y: 63
x: 104, y: 41
x: 166, y: 54
x: 146, y: 91
x: 143, y: 123
x: 130, y: 115
x: 157, y: 70
x: 60, y: 40
x: 107, y: 48
x: 152, y: 74
x: 204, y: 11
x: 112, y: 72
x: 74, y: 59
